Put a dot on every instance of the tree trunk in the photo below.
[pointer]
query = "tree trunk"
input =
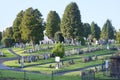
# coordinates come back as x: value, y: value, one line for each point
x: 73, y: 42
x: 33, y: 45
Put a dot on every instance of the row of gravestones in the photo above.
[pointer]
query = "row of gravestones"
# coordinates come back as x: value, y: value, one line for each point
x: 33, y: 58
x: 37, y: 48
x: 63, y: 63
x: 2, y: 54
x: 89, y: 50
x: 73, y: 52
x: 28, y: 59
x: 19, y: 45
x: 47, y: 56
x: 29, y: 51
x: 89, y: 58
x: 79, y: 51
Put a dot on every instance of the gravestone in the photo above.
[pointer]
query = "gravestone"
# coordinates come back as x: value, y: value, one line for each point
x: 37, y: 47
x: 2, y: 54
x: 73, y: 51
x: 22, y: 62
x: 45, y: 56
x: 19, y: 60
x: 71, y: 62
x: 108, y: 46
x: 57, y: 60
x: 30, y: 50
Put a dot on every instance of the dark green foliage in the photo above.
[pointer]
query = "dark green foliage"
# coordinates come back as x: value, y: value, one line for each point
x: 58, y: 50
x: 118, y: 37
x: 9, y: 32
x: 32, y: 26
x: 3, y: 34
x: 16, y: 26
x: 87, y: 30
x: 71, y: 25
x: 59, y: 37
x: 82, y: 40
x: 0, y: 36
x: 52, y: 24
x: 7, y: 42
x: 107, y: 31
x: 95, y: 31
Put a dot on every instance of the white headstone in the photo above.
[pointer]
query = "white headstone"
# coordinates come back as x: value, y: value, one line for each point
x: 108, y: 46
x: 73, y: 51
x: 56, y: 66
x: 57, y: 59
x: 106, y: 64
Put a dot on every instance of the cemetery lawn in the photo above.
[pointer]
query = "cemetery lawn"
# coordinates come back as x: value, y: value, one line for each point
x: 78, y: 58
x: 16, y: 75
x: 34, y: 76
x: 78, y: 64
x: 101, y: 53
x: 6, y: 53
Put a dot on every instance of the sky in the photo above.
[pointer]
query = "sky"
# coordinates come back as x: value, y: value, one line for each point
x: 90, y: 10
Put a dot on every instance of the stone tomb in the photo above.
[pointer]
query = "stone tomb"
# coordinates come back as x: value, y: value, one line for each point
x: 115, y: 67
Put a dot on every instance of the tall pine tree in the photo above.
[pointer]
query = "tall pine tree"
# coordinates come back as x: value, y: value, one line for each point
x: 95, y: 31
x: 52, y: 24
x: 107, y: 31
x: 16, y: 26
x: 32, y: 26
x: 87, y: 30
x: 71, y: 25
x: 118, y: 36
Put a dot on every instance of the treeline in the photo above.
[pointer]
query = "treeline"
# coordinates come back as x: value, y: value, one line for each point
x: 29, y: 26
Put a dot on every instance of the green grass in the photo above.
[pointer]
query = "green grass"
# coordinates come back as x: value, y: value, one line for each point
x: 20, y: 51
x: 78, y: 64
x: 14, y: 63
x: 34, y: 76
x: 38, y: 76
x: 6, y: 53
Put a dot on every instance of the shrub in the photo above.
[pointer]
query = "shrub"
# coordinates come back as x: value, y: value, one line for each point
x: 58, y: 50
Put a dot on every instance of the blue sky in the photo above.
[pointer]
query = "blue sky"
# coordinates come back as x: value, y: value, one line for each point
x: 91, y: 10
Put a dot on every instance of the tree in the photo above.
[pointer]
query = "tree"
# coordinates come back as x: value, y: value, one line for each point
x: 107, y: 31
x: 82, y: 40
x: 0, y: 36
x: 71, y: 25
x: 95, y: 31
x: 59, y: 37
x: 87, y: 30
x: 16, y: 26
x: 3, y: 34
x: 52, y: 24
x: 7, y: 42
x: 32, y: 26
x: 9, y: 32
x: 118, y: 36
x: 58, y: 50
